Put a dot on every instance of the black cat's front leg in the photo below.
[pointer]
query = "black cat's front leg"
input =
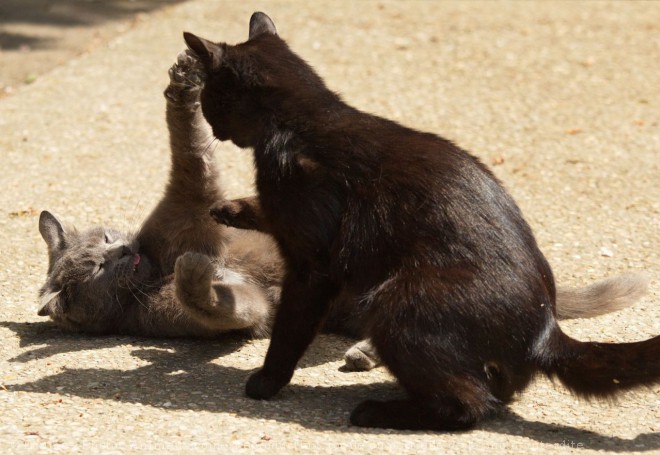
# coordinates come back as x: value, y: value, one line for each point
x: 298, y: 318
x: 244, y: 213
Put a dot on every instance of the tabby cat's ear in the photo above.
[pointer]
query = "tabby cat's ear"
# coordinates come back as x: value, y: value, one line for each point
x: 48, y: 303
x: 209, y: 53
x: 260, y: 23
x: 52, y: 231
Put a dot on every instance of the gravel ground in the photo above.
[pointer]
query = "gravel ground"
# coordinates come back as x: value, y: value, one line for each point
x: 38, y: 35
x: 560, y: 98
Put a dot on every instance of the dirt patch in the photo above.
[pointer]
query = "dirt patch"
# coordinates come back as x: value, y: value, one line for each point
x: 38, y: 35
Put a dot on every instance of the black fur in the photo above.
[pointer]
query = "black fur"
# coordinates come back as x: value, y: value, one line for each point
x: 452, y: 288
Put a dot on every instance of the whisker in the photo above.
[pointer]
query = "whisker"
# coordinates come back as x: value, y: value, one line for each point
x: 131, y: 287
x: 212, y: 142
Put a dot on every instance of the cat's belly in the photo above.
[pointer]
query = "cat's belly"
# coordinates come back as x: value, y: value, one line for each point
x: 229, y: 276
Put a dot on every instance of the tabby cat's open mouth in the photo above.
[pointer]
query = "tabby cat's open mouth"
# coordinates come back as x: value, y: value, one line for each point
x: 136, y: 262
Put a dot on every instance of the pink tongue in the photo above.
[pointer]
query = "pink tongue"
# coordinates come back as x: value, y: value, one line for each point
x: 136, y: 259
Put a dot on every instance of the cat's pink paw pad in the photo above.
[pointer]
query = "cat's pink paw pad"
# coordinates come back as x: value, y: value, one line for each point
x: 191, y: 269
x: 227, y: 213
x: 186, y: 80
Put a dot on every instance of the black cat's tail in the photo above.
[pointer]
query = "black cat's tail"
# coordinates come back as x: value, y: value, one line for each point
x: 597, y: 370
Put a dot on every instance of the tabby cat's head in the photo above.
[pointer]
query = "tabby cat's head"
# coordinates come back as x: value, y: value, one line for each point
x: 91, y: 275
x: 250, y: 85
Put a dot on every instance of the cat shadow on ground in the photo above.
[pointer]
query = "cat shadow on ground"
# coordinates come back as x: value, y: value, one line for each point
x: 45, y: 339
x: 49, y: 340
x: 189, y: 374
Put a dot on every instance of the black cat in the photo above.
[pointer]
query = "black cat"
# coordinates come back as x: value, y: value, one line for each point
x: 449, y: 282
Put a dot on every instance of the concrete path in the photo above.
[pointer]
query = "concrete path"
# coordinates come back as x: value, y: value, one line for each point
x: 561, y: 98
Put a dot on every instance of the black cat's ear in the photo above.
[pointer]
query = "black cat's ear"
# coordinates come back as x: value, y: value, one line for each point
x: 260, y: 23
x: 209, y: 53
x: 52, y: 231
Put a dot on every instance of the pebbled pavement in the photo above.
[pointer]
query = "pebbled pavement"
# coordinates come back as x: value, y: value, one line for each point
x: 560, y: 98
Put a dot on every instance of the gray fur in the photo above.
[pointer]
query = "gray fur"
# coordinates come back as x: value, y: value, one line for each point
x: 603, y: 297
x: 181, y: 274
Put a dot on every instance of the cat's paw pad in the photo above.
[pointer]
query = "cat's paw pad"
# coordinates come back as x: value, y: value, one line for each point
x: 357, y: 360
x: 186, y: 80
x: 193, y: 271
x: 225, y: 212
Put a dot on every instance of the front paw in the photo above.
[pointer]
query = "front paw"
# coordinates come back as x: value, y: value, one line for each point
x: 186, y: 81
x: 367, y: 414
x: 193, y: 273
x: 262, y: 386
x: 231, y: 213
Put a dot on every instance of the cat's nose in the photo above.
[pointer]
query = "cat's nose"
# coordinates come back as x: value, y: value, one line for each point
x: 117, y: 251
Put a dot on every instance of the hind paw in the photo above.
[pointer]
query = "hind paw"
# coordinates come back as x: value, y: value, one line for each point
x: 361, y: 357
x: 186, y: 81
x: 367, y: 414
x: 193, y: 273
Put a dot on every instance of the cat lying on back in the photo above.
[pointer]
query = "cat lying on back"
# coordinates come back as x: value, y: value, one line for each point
x: 181, y: 274
x: 448, y: 281
x: 184, y: 275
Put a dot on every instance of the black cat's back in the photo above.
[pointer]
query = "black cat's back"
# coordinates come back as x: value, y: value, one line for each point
x: 392, y: 178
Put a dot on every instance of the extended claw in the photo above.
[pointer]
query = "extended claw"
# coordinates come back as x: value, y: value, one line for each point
x: 186, y: 80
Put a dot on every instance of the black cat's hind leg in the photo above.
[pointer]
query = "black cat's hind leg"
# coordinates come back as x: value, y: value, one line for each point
x: 445, y: 394
x: 413, y: 326
x: 440, y: 411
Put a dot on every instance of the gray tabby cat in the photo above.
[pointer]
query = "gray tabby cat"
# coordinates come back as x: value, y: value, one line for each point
x: 183, y: 274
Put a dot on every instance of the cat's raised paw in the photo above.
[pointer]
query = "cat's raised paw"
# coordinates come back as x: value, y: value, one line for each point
x: 192, y: 271
x: 186, y: 81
